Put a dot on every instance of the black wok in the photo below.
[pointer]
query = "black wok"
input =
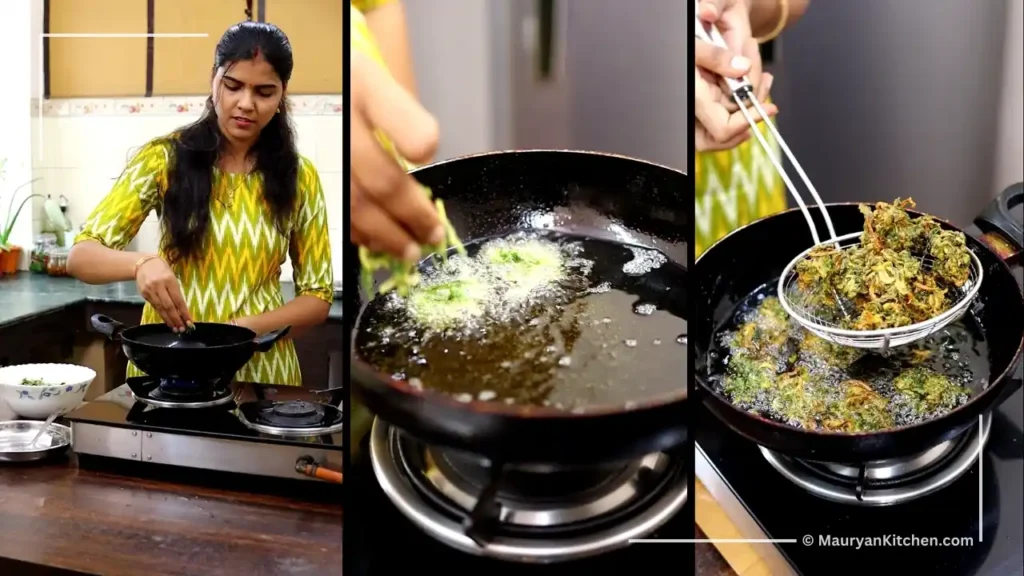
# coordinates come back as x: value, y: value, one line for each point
x: 582, y: 193
x: 210, y: 352
x: 740, y: 263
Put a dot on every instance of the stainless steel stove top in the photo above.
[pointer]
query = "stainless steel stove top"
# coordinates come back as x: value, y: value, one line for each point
x: 534, y: 514
x: 118, y: 426
x: 968, y: 503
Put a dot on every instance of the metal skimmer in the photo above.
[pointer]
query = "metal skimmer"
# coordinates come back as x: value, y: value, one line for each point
x: 789, y: 296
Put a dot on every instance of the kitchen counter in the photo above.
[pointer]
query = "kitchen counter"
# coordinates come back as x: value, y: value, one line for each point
x: 59, y: 519
x: 26, y: 295
x: 727, y: 557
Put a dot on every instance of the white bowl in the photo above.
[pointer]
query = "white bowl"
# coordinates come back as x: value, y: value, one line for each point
x: 63, y: 389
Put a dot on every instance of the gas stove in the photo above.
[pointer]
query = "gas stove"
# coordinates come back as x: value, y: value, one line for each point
x: 234, y: 428
x: 896, y: 503
x: 468, y: 516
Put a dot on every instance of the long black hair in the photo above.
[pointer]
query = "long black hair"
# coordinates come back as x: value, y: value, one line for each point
x: 196, y: 147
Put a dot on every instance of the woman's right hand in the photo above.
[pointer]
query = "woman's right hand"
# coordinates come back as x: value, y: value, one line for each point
x: 159, y: 286
x: 720, y: 123
x: 389, y: 211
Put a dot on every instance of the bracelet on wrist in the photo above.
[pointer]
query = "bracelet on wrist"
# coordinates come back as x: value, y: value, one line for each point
x: 140, y: 262
x: 780, y: 25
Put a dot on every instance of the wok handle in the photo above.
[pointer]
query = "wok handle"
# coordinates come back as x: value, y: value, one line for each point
x: 336, y: 394
x: 1000, y: 232
x: 107, y: 326
x: 266, y: 341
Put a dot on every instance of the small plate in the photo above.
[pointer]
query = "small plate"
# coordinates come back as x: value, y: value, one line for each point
x: 17, y: 435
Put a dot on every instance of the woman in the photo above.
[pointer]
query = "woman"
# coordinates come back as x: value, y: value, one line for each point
x: 735, y: 181
x: 234, y: 199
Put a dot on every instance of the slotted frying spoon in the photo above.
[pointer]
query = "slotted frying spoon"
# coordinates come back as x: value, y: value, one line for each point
x: 742, y: 93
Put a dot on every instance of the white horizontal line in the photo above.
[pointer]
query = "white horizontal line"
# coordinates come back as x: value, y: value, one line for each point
x: 73, y: 35
x: 710, y: 541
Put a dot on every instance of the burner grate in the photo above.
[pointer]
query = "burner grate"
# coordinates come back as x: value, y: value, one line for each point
x: 291, y: 417
x: 491, y: 500
x: 294, y: 414
x: 886, y: 482
x: 177, y: 393
x: 526, y: 528
x: 528, y: 486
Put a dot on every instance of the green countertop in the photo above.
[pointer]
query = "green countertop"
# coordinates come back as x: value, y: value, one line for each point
x: 27, y: 295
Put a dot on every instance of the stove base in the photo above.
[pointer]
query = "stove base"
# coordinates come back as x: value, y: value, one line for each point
x: 200, y: 452
x: 289, y: 488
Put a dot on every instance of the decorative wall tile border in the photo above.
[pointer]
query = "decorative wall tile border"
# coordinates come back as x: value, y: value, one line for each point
x: 301, y: 105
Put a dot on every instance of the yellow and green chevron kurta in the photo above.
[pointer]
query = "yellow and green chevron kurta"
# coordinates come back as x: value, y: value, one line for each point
x: 238, y: 272
x: 364, y: 43
x: 734, y: 188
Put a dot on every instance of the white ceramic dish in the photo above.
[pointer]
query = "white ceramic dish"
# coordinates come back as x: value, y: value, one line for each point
x: 63, y: 389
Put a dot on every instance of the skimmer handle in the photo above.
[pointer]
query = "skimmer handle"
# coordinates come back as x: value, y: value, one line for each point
x: 743, y: 93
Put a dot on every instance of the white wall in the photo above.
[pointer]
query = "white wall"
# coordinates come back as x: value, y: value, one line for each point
x: 1010, y: 149
x: 15, y: 120
x: 84, y: 144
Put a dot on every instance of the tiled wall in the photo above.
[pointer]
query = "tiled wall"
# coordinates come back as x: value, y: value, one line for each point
x: 83, y: 145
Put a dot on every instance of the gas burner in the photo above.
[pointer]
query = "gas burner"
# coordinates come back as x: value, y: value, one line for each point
x: 886, y: 482
x: 536, y: 514
x: 220, y: 418
x: 174, y: 393
x: 292, y: 418
x: 566, y: 496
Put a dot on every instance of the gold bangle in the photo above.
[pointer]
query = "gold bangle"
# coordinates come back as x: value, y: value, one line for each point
x: 780, y: 25
x: 142, y: 261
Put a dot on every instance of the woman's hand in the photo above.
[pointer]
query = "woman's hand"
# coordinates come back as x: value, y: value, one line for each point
x: 732, y: 17
x: 389, y: 210
x: 159, y: 286
x: 720, y: 124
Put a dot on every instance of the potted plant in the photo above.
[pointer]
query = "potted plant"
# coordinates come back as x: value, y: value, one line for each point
x: 9, y: 253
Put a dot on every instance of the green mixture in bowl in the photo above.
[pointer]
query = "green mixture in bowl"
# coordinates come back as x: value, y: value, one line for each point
x: 37, y: 382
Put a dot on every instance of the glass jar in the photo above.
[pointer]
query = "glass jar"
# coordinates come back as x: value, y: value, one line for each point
x: 57, y: 262
x: 40, y: 252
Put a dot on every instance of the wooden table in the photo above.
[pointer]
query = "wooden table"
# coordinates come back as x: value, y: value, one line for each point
x: 59, y: 519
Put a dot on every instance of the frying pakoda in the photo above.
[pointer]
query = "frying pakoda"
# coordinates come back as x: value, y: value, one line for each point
x: 903, y: 271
